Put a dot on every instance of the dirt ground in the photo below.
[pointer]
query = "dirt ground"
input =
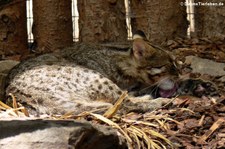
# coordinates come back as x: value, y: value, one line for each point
x: 201, y: 120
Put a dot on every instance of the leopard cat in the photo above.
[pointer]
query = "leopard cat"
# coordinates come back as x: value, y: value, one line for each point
x: 88, y: 77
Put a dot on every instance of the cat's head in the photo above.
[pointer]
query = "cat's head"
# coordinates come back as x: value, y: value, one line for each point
x: 152, y: 63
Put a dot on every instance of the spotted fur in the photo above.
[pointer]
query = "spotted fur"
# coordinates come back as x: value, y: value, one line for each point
x: 86, y: 76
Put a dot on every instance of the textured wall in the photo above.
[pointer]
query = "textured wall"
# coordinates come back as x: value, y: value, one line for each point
x: 210, y: 20
x: 52, y: 27
x: 161, y: 20
x: 102, y: 20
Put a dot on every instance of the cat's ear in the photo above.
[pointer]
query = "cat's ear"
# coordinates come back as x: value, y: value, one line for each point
x: 141, y: 49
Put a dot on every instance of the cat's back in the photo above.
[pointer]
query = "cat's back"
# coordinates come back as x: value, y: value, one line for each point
x: 100, y: 58
x: 92, y: 56
x: 52, y: 84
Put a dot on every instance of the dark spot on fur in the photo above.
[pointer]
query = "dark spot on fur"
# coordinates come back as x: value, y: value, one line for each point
x: 32, y: 86
x: 45, y: 89
x: 92, y: 71
x: 68, y: 70
x: 96, y: 81
x: 110, y: 87
x: 87, y: 79
x: 40, y: 101
x: 74, y: 85
x: 23, y: 84
x: 86, y: 70
x: 60, y: 88
x: 78, y: 105
x: 106, y: 82
x: 100, y: 87
x: 101, y: 76
x: 78, y: 74
x: 119, y: 92
x: 106, y: 92
x: 77, y: 81
x: 68, y: 85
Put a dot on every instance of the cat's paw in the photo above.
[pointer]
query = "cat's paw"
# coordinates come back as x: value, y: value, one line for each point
x: 197, y: 87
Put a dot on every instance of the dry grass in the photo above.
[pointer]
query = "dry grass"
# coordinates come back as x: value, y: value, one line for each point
x: 141, y: 131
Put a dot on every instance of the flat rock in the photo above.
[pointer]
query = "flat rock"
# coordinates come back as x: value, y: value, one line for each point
x: 57, y: 134
x: 5, y: 67
x: 205, y: 66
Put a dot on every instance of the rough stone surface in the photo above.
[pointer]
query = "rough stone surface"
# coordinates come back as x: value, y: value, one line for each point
x: 6, y: 65
x: 46, y: 134
x: 205, y: 66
